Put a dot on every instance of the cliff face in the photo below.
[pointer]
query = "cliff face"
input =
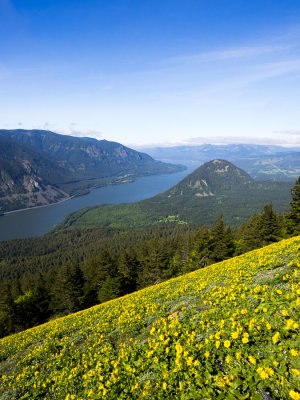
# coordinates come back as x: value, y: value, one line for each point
x: 42, y: 167
x: 25, y: 178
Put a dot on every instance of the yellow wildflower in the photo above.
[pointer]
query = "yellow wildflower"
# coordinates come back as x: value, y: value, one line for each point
x: 235, y: 335
x: 262, y: 373
x: 252, y: 360
x: 275, y: 337
x: 294, y: 395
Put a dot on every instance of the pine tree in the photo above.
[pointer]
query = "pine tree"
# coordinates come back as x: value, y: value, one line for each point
x: 67, y: 292
x: 109, y: 289
x: 96, y: 271
x: 201, y: 254
x: 220, y: 250
x: 250, y: 239
x: 293, y: 216
x: 127, y: 269
x: 269, y: 227
x: 7, y: 311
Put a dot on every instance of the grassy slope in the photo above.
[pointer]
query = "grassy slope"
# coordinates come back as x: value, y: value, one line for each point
x: 228, y: 331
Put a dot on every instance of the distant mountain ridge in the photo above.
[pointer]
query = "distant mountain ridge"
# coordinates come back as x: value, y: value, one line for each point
x: 265, y: 162
x: 217, y: 187
x: 41, y: 167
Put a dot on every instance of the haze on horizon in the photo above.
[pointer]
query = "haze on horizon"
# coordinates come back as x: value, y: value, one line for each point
x: 153, y: 72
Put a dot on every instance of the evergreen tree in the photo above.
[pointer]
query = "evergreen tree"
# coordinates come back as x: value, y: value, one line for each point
x: 292, y: 219
x: 221, y: 241
x: 249, y: 237
x: 127, y: 270
x: 96, y: 270
x: 7, y: 311
x: 15, y: 289
x: 67, y: 292
x: 269, y: 227
x: 229, y: 241
x: 109, y: 289
x: 40, y: 298
x: 181, y: 262
x: 148, y: 255
x: 201, y: 254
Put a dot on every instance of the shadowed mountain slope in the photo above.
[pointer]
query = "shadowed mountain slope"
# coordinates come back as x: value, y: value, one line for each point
x: 35, y: 161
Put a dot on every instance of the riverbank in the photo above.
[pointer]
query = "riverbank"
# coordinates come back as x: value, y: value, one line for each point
x: 38, y: 221
x: 35, y: 207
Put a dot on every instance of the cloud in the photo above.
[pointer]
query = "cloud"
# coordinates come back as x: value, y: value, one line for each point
x: 47, y: 126
x: 71, y: 131
x: 236, y: 53
x: 291, y: 141
x: 287, y: 132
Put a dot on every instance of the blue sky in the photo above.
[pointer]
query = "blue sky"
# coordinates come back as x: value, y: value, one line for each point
x: 153, y: 72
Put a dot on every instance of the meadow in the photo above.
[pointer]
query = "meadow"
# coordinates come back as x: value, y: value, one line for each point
x: 227, y: 331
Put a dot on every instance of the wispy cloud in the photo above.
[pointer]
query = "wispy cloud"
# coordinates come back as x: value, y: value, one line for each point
x: 236, y: 53
x: 291, y: 140
x: 72, y: 131
x: 287, y: 132
x: 282, y: 140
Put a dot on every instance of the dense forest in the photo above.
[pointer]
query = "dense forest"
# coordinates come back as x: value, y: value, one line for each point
x: 57, y: 274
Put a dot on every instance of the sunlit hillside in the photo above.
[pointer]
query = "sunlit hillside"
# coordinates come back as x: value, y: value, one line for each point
x: 228, y: 331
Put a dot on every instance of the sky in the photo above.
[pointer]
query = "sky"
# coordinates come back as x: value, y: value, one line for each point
x: 153, y: 72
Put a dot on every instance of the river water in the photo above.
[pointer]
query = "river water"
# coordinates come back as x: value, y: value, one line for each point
x: 37, y: 221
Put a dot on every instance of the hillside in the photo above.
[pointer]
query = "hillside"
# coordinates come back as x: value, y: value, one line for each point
x: 33, y: 256
x: 260, y: 161
x: 26, y: 177
x: 214, y: 188
x: 227, y: 331
x: 42, y: 167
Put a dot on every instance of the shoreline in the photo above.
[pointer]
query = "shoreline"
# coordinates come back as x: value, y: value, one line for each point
x: 134, y: 179
x: 35, y: 207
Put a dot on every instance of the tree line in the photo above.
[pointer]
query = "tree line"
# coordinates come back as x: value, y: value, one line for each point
x: 124, y: 261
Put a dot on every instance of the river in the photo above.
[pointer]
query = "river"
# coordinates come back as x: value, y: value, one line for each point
x: 37, y: 221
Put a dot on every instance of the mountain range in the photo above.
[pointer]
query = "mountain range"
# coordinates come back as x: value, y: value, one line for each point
x: 41, y: 167
x: 217, y: 187
x: 265, y: 162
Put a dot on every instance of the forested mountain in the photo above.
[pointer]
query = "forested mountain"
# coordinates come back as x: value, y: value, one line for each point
x: 214, y: 188
x: 263, y: 162
x: 41, y: 167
